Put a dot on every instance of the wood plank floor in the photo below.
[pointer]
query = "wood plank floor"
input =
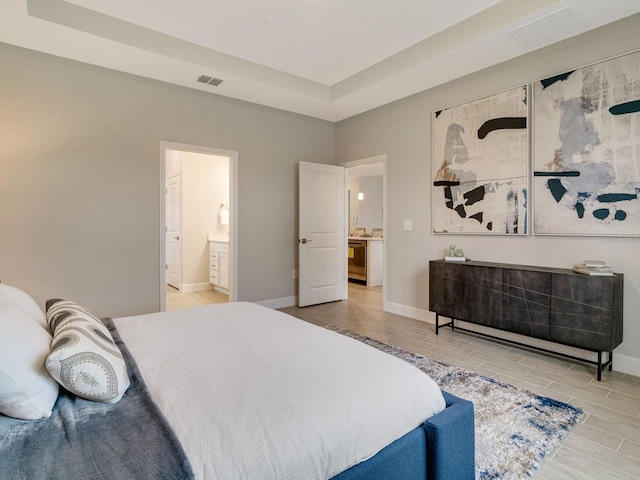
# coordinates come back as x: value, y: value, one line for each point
x: 606, y: 443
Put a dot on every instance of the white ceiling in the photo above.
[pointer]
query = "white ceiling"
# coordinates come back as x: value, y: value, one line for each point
x: 329, y: 59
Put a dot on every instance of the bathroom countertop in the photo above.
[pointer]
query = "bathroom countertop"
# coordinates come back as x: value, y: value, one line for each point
x: 366, y: 238
x: 220, y: 238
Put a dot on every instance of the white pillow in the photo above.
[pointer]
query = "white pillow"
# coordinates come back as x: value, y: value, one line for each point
x: 27, y: 391
x: 25, y: 302
x: 84, y: 359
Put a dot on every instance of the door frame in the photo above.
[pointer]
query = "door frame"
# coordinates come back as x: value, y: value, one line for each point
x: 365, y: 161
x: 233, y: 214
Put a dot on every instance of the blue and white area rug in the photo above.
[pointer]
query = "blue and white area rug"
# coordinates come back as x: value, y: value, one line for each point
x: 515, y: 429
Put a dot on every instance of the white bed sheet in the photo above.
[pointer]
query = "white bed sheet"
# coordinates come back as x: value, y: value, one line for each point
x: 253, y: 393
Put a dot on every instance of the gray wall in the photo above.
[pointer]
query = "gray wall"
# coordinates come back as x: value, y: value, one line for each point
x: 80, y: 183
x: 370, y: 208
x: 402, y: 130
x: 79, y: 190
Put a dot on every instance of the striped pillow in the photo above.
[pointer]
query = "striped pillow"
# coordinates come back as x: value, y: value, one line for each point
x: 84, y: 359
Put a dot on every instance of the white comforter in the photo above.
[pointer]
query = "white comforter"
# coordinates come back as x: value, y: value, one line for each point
x: 253, y: 393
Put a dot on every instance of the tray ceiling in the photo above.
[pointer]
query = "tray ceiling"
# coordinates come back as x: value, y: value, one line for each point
x: 329, y: 59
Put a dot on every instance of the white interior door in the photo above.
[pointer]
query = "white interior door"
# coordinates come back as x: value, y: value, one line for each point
x: 173, y: 230
x: 322, y: 241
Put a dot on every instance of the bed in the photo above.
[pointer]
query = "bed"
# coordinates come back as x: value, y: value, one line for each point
x: 239, y: 391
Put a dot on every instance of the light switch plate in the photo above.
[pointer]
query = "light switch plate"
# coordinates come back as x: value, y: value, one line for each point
x: 408, y: 224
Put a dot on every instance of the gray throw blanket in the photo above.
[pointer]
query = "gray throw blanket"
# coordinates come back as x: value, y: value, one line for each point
x: 88, y: 440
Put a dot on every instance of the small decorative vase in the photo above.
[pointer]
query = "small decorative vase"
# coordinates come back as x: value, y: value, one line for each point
x: 459, y: 252
x: 452, y: 250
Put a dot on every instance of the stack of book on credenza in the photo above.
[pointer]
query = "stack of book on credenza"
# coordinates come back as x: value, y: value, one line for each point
x: 593, y: 267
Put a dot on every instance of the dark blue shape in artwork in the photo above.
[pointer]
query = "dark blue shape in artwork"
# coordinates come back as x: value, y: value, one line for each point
x: 557, y: 189
x: 569, y: 173
x: 580, y: 209
x: 448, y: 197
x: 620, y: 215
x: 547, y: 82
x: 616, y: 197
x: 461, y: 211
x: 490, y: 226
x: 474, y: 195
x: 477, y: 216
x: 624, y: 108
x: 502, y: 123
x: 601, y: 213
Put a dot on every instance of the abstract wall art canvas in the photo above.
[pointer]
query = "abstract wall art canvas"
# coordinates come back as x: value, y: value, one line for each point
x: 586, y: 150
x: 480, y: 171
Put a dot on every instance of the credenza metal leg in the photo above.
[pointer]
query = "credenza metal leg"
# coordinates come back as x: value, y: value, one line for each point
x: 438, y: 326
x: 608, y: 363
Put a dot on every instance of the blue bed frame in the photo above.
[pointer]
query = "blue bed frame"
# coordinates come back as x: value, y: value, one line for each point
x: 443, y: 448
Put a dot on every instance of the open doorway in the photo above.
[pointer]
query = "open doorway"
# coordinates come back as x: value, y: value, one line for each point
x: 366, y: 184
x: 198, y: 226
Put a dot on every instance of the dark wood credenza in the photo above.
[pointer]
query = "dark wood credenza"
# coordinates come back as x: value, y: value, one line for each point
x: 552, y: 304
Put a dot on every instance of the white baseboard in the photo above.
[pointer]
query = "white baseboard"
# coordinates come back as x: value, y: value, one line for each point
x: 196, y: 287
x: 411, y: 312
x: 276, y: 303
x: 626, y: 364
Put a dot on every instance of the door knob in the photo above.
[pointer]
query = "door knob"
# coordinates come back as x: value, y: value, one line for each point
x: 177, y: 237
x: 304, y: 240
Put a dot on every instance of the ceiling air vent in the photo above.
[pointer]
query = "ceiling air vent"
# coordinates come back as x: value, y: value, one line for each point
x: 209, y: 80
x: 549, y: 29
